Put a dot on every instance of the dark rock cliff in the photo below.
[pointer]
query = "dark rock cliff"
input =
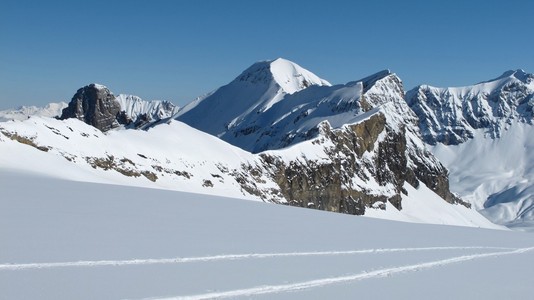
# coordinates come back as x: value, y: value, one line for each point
x: 360, y: 166
x: 95, y: 105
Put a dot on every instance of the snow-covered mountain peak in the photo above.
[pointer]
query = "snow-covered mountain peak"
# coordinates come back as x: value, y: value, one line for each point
x: 286, y: 74
x: 98, y: 86
x: 255, y: 91
x: 381, y: 88
x: 518, y: 74
x: 292, y: 77
x: 369, y: 81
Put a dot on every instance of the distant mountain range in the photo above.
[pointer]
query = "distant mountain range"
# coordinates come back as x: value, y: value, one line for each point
x: 278, y: 133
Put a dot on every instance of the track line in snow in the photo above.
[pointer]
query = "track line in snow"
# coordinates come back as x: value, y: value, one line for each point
x: 179, y: 260
x: 269, y: 289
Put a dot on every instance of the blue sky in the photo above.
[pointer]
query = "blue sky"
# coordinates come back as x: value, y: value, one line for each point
x: 177, y: 50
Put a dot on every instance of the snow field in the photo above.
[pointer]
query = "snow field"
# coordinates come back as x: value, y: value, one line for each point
x: 135, y: 243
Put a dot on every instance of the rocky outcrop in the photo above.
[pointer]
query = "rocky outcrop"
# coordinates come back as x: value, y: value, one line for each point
x: 95, y: 105
x: 451, y: 115
x: 358, y: 166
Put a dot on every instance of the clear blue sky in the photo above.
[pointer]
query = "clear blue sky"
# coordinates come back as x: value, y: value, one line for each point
x: 177, y: 50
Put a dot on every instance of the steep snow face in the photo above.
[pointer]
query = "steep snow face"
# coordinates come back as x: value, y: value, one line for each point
x: 495, y: 175
x: 450, y: 115
x: 24, y: 112
x: 141, y: 112
x: 292, y: 77
x: 254, y: 91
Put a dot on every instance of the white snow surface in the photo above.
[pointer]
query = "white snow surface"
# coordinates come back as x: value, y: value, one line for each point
x: 75, y: 240
x: 496, y: 175
x: 292, y: 77
x: 174, y: 146
x: 24, y: 112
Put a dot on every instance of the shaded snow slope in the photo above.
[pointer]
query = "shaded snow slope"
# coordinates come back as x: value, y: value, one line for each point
x: 24, y: 112
x: 66, y: 240
x: 495, y: 175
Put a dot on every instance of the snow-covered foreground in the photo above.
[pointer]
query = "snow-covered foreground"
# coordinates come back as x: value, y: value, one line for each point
x: 74, y: 240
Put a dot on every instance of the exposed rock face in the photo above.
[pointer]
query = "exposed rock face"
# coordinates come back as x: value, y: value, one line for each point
x: 450, y: 115
x: 336, y: 183
x: 358, y: 166
x: 95, y: 105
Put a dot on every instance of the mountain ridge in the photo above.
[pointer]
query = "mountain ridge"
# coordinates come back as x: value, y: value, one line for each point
x: 350, y: 148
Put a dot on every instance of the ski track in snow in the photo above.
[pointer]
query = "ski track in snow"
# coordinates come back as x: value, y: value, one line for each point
x: 178, y: 260
x: 269, y: 289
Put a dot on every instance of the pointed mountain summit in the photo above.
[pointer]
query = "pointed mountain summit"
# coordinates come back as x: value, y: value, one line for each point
x: 518, y: 74
x: 255, y: 90
x: 274, y: 104
x: 451, y: 115
x: 289, y: 76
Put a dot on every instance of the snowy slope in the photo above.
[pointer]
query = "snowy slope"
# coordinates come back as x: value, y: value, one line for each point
x: 24, y: 112
x: 165, y: 154
x: 73, y: 240
x: 254, y: 91
x: 178, y: 157
x: 495, y: 175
